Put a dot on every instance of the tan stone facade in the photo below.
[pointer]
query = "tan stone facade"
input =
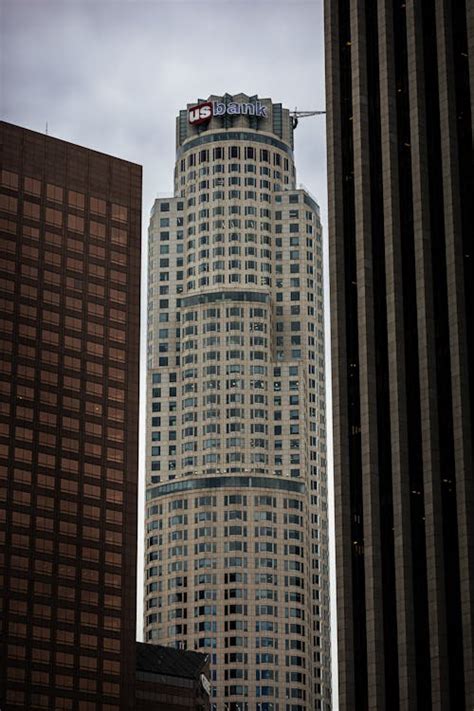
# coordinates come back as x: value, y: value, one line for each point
x: 236, y: 543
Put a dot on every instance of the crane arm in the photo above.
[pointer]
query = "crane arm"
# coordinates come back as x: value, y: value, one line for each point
x: 296, y: 115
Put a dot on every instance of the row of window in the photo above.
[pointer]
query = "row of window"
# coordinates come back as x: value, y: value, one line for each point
x: 236, y: 641
x: 206, y: 578
x: 229, y: 500
x: 240, y: 383
x: 292, y: 282
x: 231, y: 195
x: 293, y: 354
x: 255, y: 458
x: 232, y: 515
x: 230, y: 384
x: 232, y: 427
x: 236, y: 222
x: 229, y: 610
x: 213, y: 414
x: 260, y: 413
x: 55, y: 193
x: 190, y: 344
x: 293, y: 198
x: 248, y: 224
x: 239, y: 673
x: 232, y: 278
x: 218, y: 237
x: 163, y: 316
x: 229, y: 594
x: 263, y: 183
x: 229, y: 562
x: 235, y: 251
x: 211, y: 547
x: 190, y: 469
x: 258, y: 427
x: 192, y: 431
x: 52, y: 216
x: 229, y: 626
x: 189, y: 179
x: 247, y: 152
x: 232, y: 250
x: 233, y: 236
x: 214, y: 443
x: 291, y: 370
x: 229, y: 532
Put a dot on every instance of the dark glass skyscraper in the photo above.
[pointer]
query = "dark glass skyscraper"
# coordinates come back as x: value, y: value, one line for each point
x: 401, y: 233
x: 69, y: 290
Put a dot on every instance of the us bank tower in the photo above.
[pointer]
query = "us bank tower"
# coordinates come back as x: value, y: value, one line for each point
x: 236, y: 552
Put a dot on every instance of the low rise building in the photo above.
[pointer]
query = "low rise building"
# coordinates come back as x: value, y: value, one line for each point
x: 169, y: 679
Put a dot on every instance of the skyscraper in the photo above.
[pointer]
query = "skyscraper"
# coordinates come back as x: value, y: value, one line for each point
x: 401, y: 237
x: 236, y: 541
x: 70, y: 284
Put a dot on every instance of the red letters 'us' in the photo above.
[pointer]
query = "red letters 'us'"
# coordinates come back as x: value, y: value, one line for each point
x: 200, y: 113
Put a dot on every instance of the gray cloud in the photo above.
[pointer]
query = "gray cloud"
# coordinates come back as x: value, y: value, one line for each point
x: 112, y: 75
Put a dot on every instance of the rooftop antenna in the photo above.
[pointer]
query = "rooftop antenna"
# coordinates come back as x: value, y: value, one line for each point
x: 296, y: 115
x: 46, y: 128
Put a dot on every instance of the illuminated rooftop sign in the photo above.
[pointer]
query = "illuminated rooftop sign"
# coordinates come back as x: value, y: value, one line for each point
x: 204, y: 112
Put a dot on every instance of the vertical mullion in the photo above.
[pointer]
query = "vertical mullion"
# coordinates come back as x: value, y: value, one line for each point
x: 427, y: 355
x: 367, y: 355
x: 396, y: 355
x: 457, y: 327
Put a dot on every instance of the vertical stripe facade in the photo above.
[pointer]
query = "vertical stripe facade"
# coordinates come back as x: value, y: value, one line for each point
x: 399, y: 104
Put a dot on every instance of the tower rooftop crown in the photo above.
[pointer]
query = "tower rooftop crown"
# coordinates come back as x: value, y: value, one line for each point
x: 238, y: 111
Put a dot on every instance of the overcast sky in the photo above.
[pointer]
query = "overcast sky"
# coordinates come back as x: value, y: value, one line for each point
x: 112, y: 74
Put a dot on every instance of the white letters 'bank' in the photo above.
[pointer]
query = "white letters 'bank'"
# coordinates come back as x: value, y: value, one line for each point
x: 204, y: 112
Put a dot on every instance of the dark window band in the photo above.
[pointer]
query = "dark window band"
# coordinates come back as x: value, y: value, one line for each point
x: 233, y: 136
x: 227, y: 482
x: 222, y: 296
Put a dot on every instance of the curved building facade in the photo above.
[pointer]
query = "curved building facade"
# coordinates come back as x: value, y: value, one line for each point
x: 236, y: 560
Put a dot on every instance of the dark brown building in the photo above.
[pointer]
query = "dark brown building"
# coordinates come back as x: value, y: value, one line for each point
x: 169, y: 679
x: 69, y: 289
x: 401, y: 255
